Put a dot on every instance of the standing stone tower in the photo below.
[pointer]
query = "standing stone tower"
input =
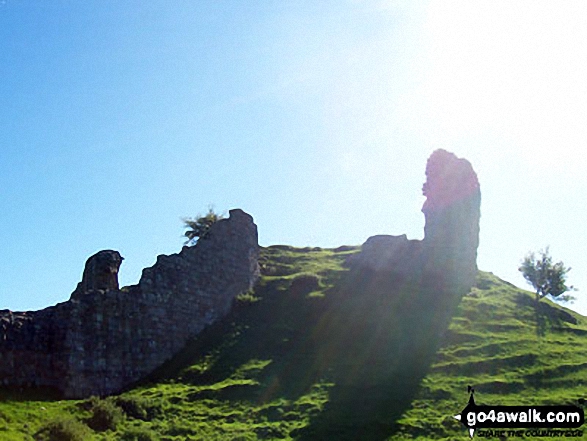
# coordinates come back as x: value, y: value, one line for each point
x: 452, y: 212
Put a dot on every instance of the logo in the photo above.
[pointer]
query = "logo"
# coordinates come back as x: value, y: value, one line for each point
x: 535, y: 421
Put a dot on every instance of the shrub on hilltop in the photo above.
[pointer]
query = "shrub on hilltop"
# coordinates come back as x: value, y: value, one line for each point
x: 63, y: 429
x: 105, y: 415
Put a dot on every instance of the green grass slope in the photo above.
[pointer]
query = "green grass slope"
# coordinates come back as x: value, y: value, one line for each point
x: 308, y: 355
x: 510, y: 352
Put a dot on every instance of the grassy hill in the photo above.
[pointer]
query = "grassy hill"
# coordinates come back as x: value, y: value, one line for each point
x: 311, y: 353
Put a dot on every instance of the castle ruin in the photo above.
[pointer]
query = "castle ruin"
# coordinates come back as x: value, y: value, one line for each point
x: 105, y: 338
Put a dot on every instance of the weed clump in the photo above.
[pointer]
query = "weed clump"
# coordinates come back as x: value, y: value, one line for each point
x: 133, y: 407
x: 63, y: 429
x: 4, y: 417
x: 105, y: 415
x: 138, y: 407
x: 247, y: 298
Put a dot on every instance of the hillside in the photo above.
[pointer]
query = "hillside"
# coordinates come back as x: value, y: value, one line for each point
x: 308, y: 354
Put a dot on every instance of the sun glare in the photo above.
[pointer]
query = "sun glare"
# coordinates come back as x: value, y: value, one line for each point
x: 511, y: 69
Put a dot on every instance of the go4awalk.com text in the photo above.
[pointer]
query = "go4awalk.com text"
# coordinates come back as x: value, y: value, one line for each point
x: 521, y: 421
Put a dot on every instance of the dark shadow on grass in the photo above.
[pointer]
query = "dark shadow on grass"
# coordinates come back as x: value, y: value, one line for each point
x: 546, y: 316
x: 384, y: 332
x: 546, y: 375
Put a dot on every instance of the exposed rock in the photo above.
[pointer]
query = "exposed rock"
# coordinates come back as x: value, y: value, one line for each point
x: 101, y: 272
x: 388, y: 253
x: 104, y: 338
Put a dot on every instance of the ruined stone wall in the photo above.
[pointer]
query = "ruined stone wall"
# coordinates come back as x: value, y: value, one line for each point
x: 105, y: 338
x: 447, y: 256
x: 389, y: 253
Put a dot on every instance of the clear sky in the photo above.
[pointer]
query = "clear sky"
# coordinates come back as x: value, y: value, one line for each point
x: 117, y: 118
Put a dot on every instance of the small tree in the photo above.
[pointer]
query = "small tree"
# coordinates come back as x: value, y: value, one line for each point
x: 199, y: 226
x: 546, y: 277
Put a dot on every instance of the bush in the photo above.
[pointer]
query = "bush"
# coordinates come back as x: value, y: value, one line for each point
x: 133, y: 407
x: 138, y: 407
x: 199, y: 226
x: 63, y: 430
x: 305, y: 283
x: 105, y: 415
x: 139, y: 434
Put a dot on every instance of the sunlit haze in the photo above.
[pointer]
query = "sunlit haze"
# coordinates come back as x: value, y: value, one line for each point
x: 119, y: 118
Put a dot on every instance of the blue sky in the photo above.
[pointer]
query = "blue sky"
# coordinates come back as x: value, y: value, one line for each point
x: 118, y: 118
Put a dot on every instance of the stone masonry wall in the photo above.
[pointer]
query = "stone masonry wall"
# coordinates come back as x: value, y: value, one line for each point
x: 447, y: 256
x: 105, y: 338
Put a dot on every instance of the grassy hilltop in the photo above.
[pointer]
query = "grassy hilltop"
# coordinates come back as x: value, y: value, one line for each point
x: 307, y: 355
